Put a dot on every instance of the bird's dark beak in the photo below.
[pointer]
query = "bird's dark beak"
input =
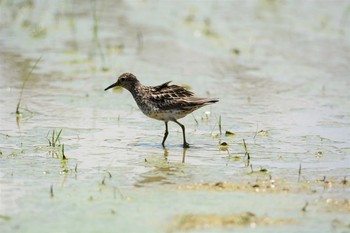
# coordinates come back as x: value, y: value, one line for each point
x: 113, y: 85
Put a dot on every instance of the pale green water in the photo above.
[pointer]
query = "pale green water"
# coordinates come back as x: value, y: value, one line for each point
x: 282, y: 67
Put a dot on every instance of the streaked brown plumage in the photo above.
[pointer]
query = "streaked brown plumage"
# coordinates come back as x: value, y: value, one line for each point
x: 164, y: 102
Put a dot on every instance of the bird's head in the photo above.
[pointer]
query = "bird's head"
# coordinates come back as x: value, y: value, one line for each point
x: 126, y: 80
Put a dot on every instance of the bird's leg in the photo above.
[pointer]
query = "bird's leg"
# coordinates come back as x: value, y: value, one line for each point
x: 166, y: 133
x: 186, y: 145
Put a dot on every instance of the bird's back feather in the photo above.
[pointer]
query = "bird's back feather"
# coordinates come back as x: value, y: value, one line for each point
x: 176, y: 97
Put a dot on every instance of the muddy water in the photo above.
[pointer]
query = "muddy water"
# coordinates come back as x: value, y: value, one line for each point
x: 280, y: 70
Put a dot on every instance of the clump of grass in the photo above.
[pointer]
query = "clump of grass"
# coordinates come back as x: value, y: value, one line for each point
x: 62, y: 153
x: 220, y: 125
x: 344, y: 181
x: 18, y: 113
x: 58, y: 150
x: 304, y: 207
x: 246, y: 153
x: 262, y: 170
x: 51, y: 191
x: 109, y: 174
x: 103, y: 182
x: 55, y: 138
x: 299, y: 172
x: 64, y: 160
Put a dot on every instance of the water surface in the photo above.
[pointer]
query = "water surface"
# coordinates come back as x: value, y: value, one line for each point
x: 279, y: 68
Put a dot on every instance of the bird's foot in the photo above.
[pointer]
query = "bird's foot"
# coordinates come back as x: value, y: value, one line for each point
x: 186, y: 145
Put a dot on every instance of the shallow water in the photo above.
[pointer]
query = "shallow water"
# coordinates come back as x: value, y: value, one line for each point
x: 279, y: 67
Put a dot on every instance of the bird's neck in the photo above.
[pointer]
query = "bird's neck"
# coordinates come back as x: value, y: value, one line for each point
x: 136, y: 91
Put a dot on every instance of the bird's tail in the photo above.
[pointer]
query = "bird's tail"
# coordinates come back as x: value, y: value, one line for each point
x: 194, y: 103
x: 205, y: 101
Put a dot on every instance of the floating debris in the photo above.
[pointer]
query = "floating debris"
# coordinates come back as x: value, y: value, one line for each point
x: 263, y: 170
x: 229, y: 133
x: 5, y: 217
x: 319, y: 154
x: 223, y: 146
x: 235, y: 51
x: 262, y: 133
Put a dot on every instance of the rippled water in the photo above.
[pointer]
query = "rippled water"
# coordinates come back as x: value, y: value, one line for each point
x: 279, y: 68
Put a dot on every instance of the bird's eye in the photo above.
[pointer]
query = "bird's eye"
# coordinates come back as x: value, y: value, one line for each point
x: 122, y: 79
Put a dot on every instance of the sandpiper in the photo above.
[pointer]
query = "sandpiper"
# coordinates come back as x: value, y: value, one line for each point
x: 164, y: 102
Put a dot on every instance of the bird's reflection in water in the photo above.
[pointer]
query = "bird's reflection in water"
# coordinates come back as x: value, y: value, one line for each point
x: 162, y: 171
x: 166, y: 153
x: 184, y: 155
